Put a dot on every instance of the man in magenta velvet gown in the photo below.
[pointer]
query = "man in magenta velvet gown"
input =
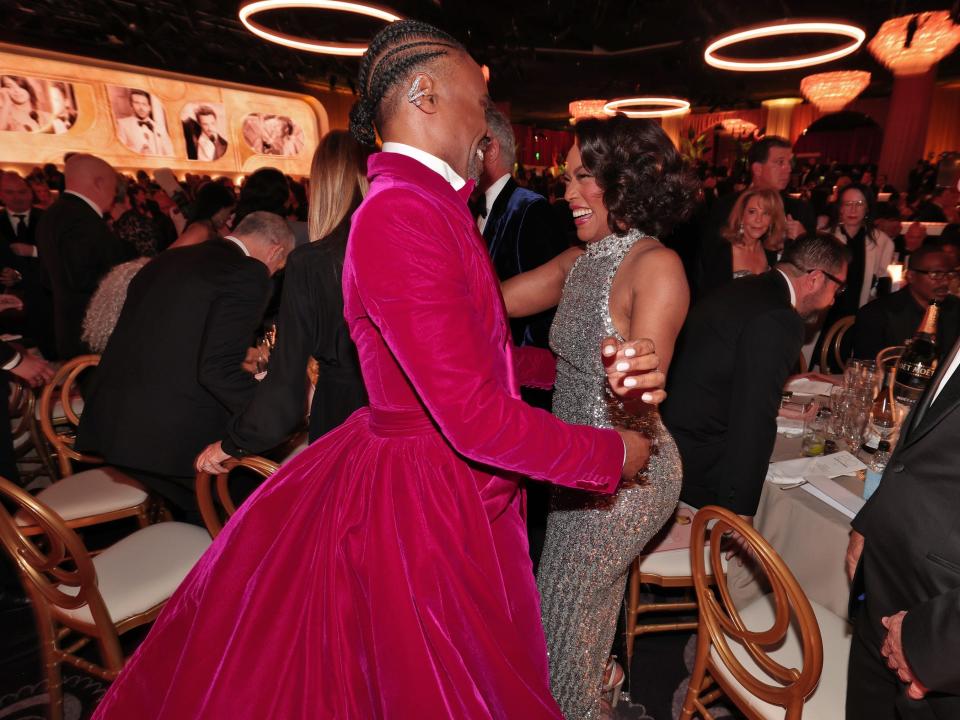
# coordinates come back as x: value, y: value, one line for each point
x: 383, y: 573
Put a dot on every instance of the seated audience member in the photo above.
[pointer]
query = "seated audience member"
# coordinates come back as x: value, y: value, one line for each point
x: 76, y: 247
x: 107, y: 302
x: 208, y: 215
x: 751, y: 240
x: 941, y: 207
x: 136, y: 230
x: 171, y: 376
x: 735, y: 352
x: 893, y: 319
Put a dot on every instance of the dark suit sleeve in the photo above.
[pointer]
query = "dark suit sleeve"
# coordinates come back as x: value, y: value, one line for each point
x: 7, y: 353
x: 231, y: 322
x: 541, y: 236
x: 767, y: 350
x: 931, y: 641
x: 714, y: 267
x: 279, y: 403
x: 868, y: 332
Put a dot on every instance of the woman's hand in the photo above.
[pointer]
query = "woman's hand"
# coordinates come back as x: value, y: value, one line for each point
x: 633, y: 370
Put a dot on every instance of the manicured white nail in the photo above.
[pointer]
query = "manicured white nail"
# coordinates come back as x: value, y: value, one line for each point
x: 609, y: 349
x: 647, y: 398
x: 623, y: 366
x: 630, y: 352
x: 630, y: 382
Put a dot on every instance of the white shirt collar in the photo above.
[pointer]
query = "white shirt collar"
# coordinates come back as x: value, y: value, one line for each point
x: 793, y: 293
x: 494, y: 190
x: 87, y: 200
x: 441, y: 167
x: 239, y: 243
x: 12, y: 215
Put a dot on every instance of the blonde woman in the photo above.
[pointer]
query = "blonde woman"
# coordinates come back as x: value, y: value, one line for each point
x: 311, y: 320
x: 751, y: 240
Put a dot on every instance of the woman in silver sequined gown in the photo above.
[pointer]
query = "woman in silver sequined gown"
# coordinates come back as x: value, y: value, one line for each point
x: 626, y: 285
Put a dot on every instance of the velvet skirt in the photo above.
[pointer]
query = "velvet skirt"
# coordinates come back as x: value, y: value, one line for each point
x: 363, y: 580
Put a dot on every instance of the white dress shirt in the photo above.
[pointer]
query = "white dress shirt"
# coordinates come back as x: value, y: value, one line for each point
x: 793, y: 293
x: 441, y: 167
x: 491, y: 195
x: 951, y: 369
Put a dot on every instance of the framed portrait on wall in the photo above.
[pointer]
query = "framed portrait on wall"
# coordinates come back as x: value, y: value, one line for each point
x: 140, y: 121
x: 205, y: 130
x: 36, y: 105
x: 272, y: 135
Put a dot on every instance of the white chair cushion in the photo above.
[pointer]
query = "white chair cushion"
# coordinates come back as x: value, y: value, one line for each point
x: 91, y: 492
x: 56, y: 412
x: 827, y: 700
x: 143, y: 570
x: 673, y: 563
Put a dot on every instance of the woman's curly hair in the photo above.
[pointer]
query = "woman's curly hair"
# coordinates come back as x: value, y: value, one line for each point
x: 646, y: 183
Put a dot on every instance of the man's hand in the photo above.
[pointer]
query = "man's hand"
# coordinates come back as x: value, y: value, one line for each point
x: 10, y: 302
x: 854, y: 550
x: 23, y: 249
x: 794, y: 227
x: 632, y: 370
x: 736, y: 544
x: 638, y: 453
x: 211, y: 459
x: 892, y: 650
x: 33, y: 370
x: 10, y: 277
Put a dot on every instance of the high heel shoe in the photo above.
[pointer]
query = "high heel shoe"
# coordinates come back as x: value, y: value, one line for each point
x: 613, y: 677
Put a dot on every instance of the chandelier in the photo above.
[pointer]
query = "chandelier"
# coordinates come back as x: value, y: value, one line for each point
x: 582, y: 109
x: 914, y: 43
x: 660, y: 107
x: 854, y: 37
x: 738, y: 127
x: 833, y: 91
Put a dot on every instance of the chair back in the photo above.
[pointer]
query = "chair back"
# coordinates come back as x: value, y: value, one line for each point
x: 216, y: 510
x: 57, y: 570
x: 60, y: 431
x: 889, y: 356
x: 720, y: 618
x: 831, y: 343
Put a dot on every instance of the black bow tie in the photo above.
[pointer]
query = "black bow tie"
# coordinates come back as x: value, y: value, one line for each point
x: 481, y: 205
x: 145, y: 123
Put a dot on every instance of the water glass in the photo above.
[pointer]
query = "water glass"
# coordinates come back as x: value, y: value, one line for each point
x: 815, y: 435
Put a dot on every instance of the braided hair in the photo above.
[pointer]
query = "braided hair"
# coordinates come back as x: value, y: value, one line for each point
x: 396, y: 50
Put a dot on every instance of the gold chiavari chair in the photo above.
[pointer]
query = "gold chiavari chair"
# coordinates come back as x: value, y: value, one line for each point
x: 217, y: 510
x: 889, y: 356
x: 831, y: 343
x: 89, y: 497
x: 767, y: 658
x: 77, y: 599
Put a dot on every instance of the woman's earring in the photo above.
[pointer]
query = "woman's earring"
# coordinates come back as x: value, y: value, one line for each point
x: 741, y: 228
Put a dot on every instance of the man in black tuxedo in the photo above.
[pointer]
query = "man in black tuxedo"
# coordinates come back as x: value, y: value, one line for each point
x: 77, y: 248
x: 521, y: 229
x: 171, y: 375
x: 204, y: 141
x: 893, y: 319
x: 21, y: 269
x: 905, y: 550
x: 734, y: 354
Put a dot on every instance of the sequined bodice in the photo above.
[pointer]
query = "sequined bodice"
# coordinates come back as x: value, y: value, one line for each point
x: 582, y: 321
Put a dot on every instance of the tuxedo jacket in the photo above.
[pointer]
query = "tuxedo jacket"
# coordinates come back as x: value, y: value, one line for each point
x: 171, y: 376
x: 911, y: 557
x: 523, y: 232
x: 136, y: 137
x: 733, y: 356
x: 76, y: 250
x: 893, y: 319
x: 9, y: 235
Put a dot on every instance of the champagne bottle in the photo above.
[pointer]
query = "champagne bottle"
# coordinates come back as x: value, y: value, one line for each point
x: 882, y: 423
x: 919, y: 360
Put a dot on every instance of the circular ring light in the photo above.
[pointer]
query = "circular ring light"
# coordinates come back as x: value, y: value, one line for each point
x: 855, y: 36
x: 668, y: 107
x: 248, y: 11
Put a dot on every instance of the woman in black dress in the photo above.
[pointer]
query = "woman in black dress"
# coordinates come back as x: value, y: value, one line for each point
x: 310, y: 322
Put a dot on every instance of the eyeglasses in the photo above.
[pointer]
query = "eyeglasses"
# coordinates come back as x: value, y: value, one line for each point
x: 936, y: 274
x: 841, y: 284
x: 853, y: 203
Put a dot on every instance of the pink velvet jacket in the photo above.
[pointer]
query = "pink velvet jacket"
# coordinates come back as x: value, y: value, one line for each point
x: 450, y: 341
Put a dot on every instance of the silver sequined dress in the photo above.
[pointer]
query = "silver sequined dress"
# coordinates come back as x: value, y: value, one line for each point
x: 592, y: 539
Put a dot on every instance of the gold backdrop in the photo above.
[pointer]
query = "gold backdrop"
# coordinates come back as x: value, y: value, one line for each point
x: 73, y: 110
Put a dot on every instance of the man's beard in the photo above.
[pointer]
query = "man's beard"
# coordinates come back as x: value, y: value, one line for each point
x: 475, y: 167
